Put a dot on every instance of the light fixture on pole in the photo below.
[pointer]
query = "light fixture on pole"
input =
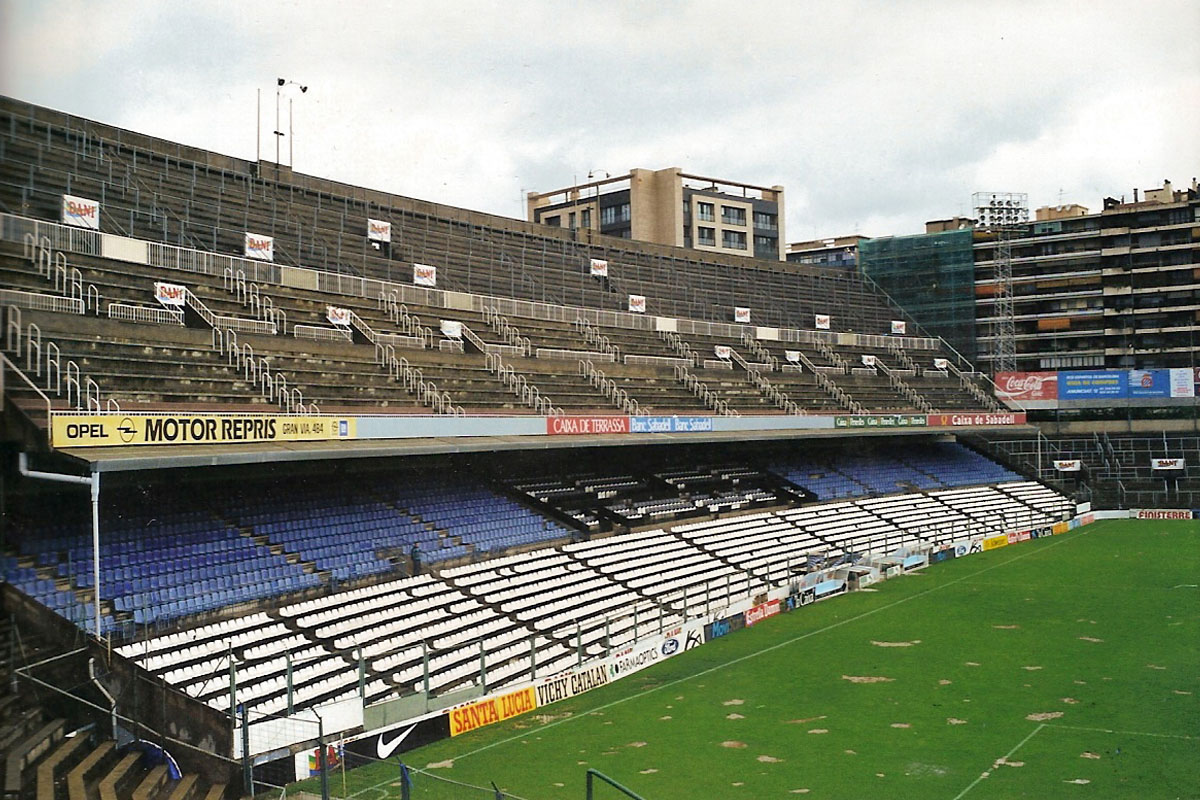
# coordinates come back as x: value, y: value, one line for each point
x: 282, y: 84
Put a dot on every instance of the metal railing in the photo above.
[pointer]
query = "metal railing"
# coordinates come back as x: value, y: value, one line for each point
x: 128, y: 312
x: 612, y: 392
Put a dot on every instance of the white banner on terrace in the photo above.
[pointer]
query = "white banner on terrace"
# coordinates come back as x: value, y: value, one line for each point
x: 452, y: 329
x: 260, y: 247
x: 379, y: 231
x: 1167, y: 463
x: 424, y: 275
x: 338, y: 316
x: 792, y: 356
x: 941, y: 363
x: 1068, y: 465
x: 822, y: 322
x: 899, y: 326
x: 868, y: 360
x: 741, y: 315
x: 80, y: 212
x: 1181, y: 382
x: 723, y: 352
x: 599, y: 268
x: 637, y: 304
x: 169, y: 294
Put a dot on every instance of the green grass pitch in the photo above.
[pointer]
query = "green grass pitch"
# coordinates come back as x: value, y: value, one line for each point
x: 1060, y: 667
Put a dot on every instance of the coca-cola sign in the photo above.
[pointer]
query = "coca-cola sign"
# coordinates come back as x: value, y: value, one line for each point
x: 1024, y: 386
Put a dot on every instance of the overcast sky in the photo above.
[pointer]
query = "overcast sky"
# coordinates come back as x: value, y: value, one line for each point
x: 875, y: 116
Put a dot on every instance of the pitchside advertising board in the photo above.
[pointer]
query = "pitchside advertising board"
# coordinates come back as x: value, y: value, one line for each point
x: 85, y: 430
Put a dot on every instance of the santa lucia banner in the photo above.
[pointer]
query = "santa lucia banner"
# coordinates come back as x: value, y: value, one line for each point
x: 599, y: 268
x: 259, y: 246
x: 337, y: 316
x: 80, y: 212
x: 117, y: 430
x: 170, y: 294
x: 379, y: 230
x: 424, y: 275
x: 1068, y: 465
x: 741, y: 315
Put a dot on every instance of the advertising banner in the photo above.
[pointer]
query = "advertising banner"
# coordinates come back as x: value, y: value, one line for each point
x: 170, y: 294
x: 741, y: 315
x: 380, y: 745
x: 561, y: 426
x: 84, y: 430
x: 868, y: 360
x: 941, y: 363
x: 337, y: 316
x: 1149, y: 383
x: 723, y: 352
x: 995, y: 542
x: 379, y: 231
x: 1025, y: 386
x: 80, y: 212
x: 724, y: 626
x: 1167, y: 463
x: 491, y: 710
x: 569, y: 684
x: 899, y: 327
x: 1093, y: 385
x: 452, y: 329
x: 1162, y: 513
x: 599, y: 268
x: 1068, y: 465
x: 424, y: 275
x: 955, y: 420
x: 260, y: 247
x: 1181, y: 383
x: 758, y: 613
x: 637, y: 304
x: 822, y: 322
x: 793, y: 356
x: 670, y: 424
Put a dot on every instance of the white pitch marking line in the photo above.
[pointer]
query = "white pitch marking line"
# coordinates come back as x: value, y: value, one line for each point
x: 988, y: 771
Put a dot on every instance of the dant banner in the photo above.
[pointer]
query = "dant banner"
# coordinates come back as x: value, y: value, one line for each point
x: 599, y: 268
x: 260, y: 247
x: 80, y: 212
x: 379, y: 231
x: 338, y: 316
x: 1068, y: 465
x: 1024, y: 386
x: 452, y: 329
x: 792, y: 356
x: 637, y: 304
x: 491, y: 710
x: 424, y: 275
x: 941, y: 363
x: 822, y: 321
x: 170, y: 294
x: 741, y: 315
x: 105, y: 430
x: 722, y: 351
x: 1167, y: 463
x: 899, y: 326
x: 868, y: 360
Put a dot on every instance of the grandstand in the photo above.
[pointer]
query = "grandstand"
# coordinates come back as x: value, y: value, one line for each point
x: 347, y: 487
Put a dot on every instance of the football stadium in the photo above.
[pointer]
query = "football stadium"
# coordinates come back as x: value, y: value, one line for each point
x: 311, y: 489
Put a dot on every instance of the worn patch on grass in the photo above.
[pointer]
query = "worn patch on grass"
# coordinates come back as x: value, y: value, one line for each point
x: 734, y: 702
x: 1090, y: 639
x: 944, y: 682
x: 648, y: 771
x: 734, y: 745
x: 850, y: 752
x: 1155, y: 666
x: 1070, y: 701
x: 955, y: 721
x: 738, y: 783
x: 667, y: 716
x: 1031, y: 668
x: 1043, y: 716
x: 972, y: 663
x: 901, y: 725
x: 819, y: 730
x: 447, y: 764
x: 546, y: 719
x: 895, y: 644
x: 1180, y: 691
x: 1089, y: 754
x: 769, y: 759
x: 1004, y: 762
x: 867, y: 679
x: 1080, y: 781
x: 1006, y: 627
x: 734, y: 716
x: 805, y: 791
x: 636, y: 744
x: 1079, y: 683
x: 806, y: 719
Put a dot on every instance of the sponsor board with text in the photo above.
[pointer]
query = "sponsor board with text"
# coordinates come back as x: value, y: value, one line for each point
x: 80, y: 212
x: 113, y: 430
x: 760, y: 612
x: 995, y: 542
x: 491, y: 710
x: 585, y: 425
x: 1162, y: 513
